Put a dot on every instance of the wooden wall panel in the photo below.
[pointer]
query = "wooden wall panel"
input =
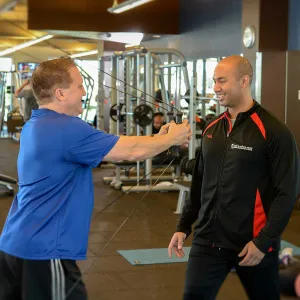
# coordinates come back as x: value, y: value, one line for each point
x: 156, y: 17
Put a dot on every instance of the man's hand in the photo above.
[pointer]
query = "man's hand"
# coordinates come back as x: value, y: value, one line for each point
x: 253, y: 255
x: 164, y: 129
x: 176, y: 244
x: 181, y: 133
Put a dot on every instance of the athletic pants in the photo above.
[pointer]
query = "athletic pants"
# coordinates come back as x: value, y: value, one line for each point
x: 55, y: 279
x: 208, y: 267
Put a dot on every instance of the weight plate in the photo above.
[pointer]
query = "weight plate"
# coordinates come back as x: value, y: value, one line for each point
x: 113, y: 113
x: 143, y: 115
x: 182, y: 164
x: 190, y: 166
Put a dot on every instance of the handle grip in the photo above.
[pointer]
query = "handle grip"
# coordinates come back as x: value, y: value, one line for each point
x: 175, y: 150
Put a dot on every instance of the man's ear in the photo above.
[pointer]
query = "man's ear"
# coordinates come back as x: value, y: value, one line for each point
x: 245, y: 81
x: 60, y: 94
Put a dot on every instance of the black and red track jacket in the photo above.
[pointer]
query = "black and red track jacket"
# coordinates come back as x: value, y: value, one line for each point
x: 245, y: 182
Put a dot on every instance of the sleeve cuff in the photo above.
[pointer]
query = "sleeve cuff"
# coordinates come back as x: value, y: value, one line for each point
x: 262, y: 242
x: 184, y: 230
x: 110, y: 146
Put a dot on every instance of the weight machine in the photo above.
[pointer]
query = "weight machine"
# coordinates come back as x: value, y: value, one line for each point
x: 187, y: 163
x: 137, y: 85
x: 5, y: 180
x: 2, y: 98
x: 88, y: 82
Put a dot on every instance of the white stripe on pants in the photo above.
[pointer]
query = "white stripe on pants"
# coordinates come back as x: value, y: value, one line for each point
x: 57, y: 280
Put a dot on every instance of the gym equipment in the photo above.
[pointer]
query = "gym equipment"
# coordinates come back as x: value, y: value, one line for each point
x: 184, y: 191
x: 118, y: 180
x: 2, y: 99
x: 175, y: 150
x: 182, y: 164
x: 117, y: 183
x: 115, y: 111
x: 14, y: 121
x: 187, y: 165
x: 186, y: 96
x: 6, y: 181
x: 143, y: 114
x: 139, y: 257
x: 158, y: 96
x: 88, y: 82
x: 190, y: 166
x: 127, y: 78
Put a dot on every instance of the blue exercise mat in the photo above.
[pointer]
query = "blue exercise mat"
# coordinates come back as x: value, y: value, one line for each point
x: 153, y: 256
x: 160, y: 255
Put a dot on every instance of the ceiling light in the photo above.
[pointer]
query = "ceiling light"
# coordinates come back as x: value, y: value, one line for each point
x: 131, y: 38
x: 84, y: 54
x: 25, y: 45
x: 126, y: 5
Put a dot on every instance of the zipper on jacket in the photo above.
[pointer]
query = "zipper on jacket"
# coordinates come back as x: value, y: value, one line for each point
x: 220, y: 178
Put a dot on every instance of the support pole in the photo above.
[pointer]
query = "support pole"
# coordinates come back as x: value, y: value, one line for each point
x: 148, y: 77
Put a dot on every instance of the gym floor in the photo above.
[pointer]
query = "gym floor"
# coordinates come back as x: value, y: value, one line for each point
x: 151, y: 226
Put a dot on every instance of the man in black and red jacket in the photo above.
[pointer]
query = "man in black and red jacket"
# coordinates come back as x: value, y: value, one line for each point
x: 244, y: 188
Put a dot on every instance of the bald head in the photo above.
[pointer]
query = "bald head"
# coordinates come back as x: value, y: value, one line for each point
x: 240, y: 65
x: 232, y: 77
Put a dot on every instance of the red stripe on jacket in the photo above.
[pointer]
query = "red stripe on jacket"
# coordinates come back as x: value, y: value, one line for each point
x: 259, y: 124
x: 260, y: 218
x: 213, y: 123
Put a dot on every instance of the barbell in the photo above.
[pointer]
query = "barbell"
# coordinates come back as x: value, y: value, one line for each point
x: 143, y: 114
